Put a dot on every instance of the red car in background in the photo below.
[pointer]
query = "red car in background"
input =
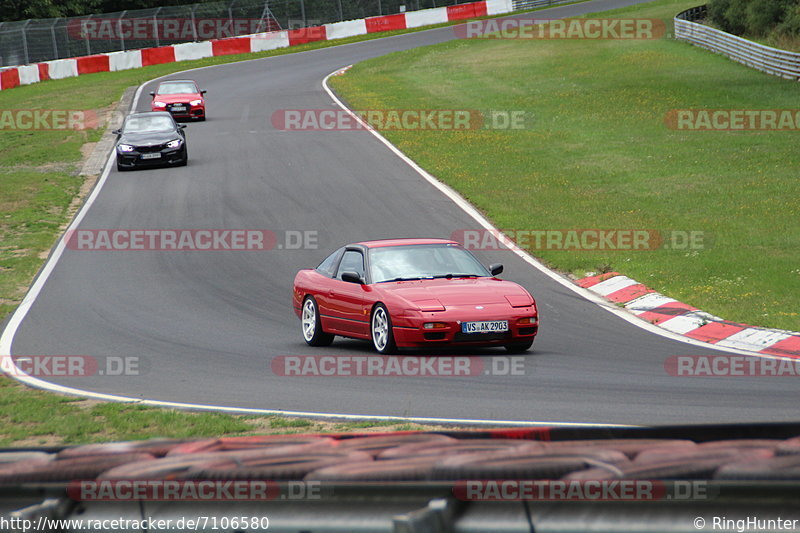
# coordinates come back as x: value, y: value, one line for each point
x: 412, y: 293
x: 182, y: 98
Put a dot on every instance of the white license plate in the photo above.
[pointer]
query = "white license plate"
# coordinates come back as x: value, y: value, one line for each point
x: 154, y: 155
x: 179, y: 108
x: 494, y: 326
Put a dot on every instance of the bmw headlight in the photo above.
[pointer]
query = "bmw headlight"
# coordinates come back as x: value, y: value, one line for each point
x: 125, y: 148
x: 174, y: 143
x: 160, y: 104
x: 195, y: 102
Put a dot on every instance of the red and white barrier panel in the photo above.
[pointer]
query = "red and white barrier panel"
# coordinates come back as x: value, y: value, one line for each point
x: 259, y: 42
x: 683, y: 319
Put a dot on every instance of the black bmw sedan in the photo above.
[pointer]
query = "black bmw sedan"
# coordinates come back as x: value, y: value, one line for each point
x: 150, y: 139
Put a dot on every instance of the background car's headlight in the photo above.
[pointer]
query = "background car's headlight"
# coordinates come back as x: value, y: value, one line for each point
x: 125, y: 148
x: 195, y: 102
x: 160, y: 104
x: 174, y: 143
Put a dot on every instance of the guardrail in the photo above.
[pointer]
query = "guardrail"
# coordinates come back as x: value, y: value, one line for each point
x: 764, y: 58
x: 521, y: 5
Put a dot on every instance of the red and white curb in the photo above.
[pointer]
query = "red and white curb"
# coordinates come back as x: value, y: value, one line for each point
x: 683, y: 319
x: 109, y: 62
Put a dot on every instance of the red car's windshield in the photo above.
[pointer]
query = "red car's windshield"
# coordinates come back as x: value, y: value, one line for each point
x: 394, y: 263
x: 177, y: 88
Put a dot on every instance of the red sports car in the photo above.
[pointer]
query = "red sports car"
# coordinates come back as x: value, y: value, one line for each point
x: 182, y: 98
x: 412, y: 293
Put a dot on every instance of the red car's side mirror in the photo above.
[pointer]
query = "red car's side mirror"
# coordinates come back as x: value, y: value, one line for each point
x: 352, y: 277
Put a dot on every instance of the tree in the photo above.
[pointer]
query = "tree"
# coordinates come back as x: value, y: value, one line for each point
x: 35, y: 9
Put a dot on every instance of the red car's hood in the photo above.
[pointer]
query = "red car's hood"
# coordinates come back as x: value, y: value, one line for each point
x: 172, y: 98
x: 455, y: 292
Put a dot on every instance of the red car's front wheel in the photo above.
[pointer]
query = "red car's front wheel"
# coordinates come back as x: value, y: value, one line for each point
x: 381, y: 328
x: 312, y: 325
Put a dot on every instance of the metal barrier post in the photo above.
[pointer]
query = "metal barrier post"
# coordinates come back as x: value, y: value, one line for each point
x: 230, y: 17
x: 119, y: 29
x: 194, y: 25
x: 155, y: 26
x: 53, y: 37
x: 25, y: 41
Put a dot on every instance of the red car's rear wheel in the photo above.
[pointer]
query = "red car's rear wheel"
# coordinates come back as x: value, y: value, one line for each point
x: 312, y: 325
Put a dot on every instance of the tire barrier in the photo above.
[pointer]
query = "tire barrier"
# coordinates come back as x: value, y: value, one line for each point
x: 378, y: 443
x: 426, y: 449
x: 156, y: 447
x: 407, y: 469
x: 780, y: 468
x: 247, y: 443
x: 789, y: 447
x: 180, y: 466
x: 15, y: 457
x: 63, y: 470
x: 701, y: 464
x: 286, y: 466
x: 408, y: 456
x: 533, y: 465
x: 630, y: 447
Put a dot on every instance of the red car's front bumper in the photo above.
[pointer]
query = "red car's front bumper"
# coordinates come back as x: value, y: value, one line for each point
x: 409, y: 327
x: 191, y: 111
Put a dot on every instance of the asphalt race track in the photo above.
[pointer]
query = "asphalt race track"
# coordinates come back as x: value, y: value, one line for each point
x: 205, y: 325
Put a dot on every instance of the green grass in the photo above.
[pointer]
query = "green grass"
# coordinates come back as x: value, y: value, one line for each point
x: 37, y: 418
x: 600, y: 156
x: 32, y: 417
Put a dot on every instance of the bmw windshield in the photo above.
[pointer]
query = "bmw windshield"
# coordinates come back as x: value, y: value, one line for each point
x: 142, y: 124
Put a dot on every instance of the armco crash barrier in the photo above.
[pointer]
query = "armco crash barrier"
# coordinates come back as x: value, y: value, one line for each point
x: 259, y: 42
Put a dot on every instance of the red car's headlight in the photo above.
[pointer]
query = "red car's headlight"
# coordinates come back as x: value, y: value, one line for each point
x: 429, y: 305
x: 519, y: 300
